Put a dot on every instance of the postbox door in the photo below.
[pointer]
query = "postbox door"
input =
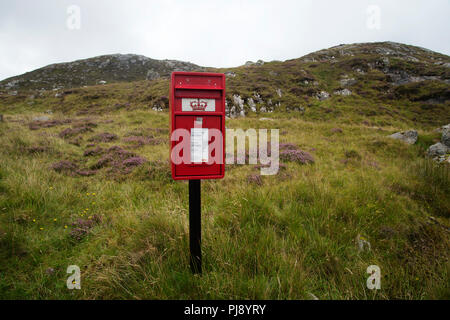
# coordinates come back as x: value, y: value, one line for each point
x: 198, y: 163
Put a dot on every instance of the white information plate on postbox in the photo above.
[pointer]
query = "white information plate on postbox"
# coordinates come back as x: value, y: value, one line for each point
x: 199, y: 145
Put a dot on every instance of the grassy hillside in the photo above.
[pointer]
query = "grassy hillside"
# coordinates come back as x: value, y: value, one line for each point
x: 91, y: 187
x: 280, y: 237
x: 387, y: 84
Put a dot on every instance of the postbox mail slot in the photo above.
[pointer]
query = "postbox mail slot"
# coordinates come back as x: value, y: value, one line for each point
x: 183, y: 93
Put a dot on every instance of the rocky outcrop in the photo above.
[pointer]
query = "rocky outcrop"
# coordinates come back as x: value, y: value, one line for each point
x: 445, y: 139
x: 235, y: 108
x: 152, y: 75
x: 410, y: 136
x: 230, y: 74
x: 251, y: 63
x: 346, y: 81
x: 440, y: 151
x: 297, y: 108
x: 323, y: 95
x: 343, y: 92
x: 41, y: 118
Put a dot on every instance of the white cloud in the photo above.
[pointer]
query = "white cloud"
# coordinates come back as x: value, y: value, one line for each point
x: 210, y: 33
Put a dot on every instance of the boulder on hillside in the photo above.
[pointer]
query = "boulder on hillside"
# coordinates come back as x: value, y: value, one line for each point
x: 230, y: 74
x: 152, y: 75
x: 445, y: 139
x: 438, y: 151
x: 410, y: 136
x: 343, y: 92
x: 441, y: 129
x: 42, y: 118
x: 323, y: 95
x: 279, y: 92
x: 345, y: 81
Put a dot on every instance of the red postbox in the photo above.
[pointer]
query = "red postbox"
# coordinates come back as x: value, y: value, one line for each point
x: 197, y: 111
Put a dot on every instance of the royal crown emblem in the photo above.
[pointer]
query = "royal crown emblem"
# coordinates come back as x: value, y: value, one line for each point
x: 199, y: 105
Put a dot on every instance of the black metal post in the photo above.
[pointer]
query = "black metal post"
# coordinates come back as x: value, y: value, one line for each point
x: 195, y: 229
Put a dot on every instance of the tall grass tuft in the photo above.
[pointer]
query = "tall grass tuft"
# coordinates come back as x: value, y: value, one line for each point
x: 435, y: 174
x: 434, y: 185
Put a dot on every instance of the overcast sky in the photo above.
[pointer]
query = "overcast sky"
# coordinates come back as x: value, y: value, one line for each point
x: 223, y: 33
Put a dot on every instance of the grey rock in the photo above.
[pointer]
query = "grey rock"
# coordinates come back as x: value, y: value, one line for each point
x: 251, y: 104
x: 437, y: 150
x: 343, y: 92
x: 230, y: 74
x: 237, y: 107
x: 258, y: 97
x: 42, y: 118
x: 251, y: 63
x: 445, y: 139
x: 347, y: 81
x: 323, y: 95
x: 238, y: 101
x: 402, y: 77
x: 296, y: 108
x: 410, y: 136
x: 152, y: 75
x: 12, y: 84
x: 441, y: 129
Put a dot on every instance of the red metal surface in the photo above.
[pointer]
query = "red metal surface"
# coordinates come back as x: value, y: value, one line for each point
x: 197, y: 86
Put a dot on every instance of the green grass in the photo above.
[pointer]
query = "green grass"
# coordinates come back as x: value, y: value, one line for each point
x: 294, y: 235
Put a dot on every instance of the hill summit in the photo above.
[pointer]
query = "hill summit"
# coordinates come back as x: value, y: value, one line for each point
x: 97, y: 70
